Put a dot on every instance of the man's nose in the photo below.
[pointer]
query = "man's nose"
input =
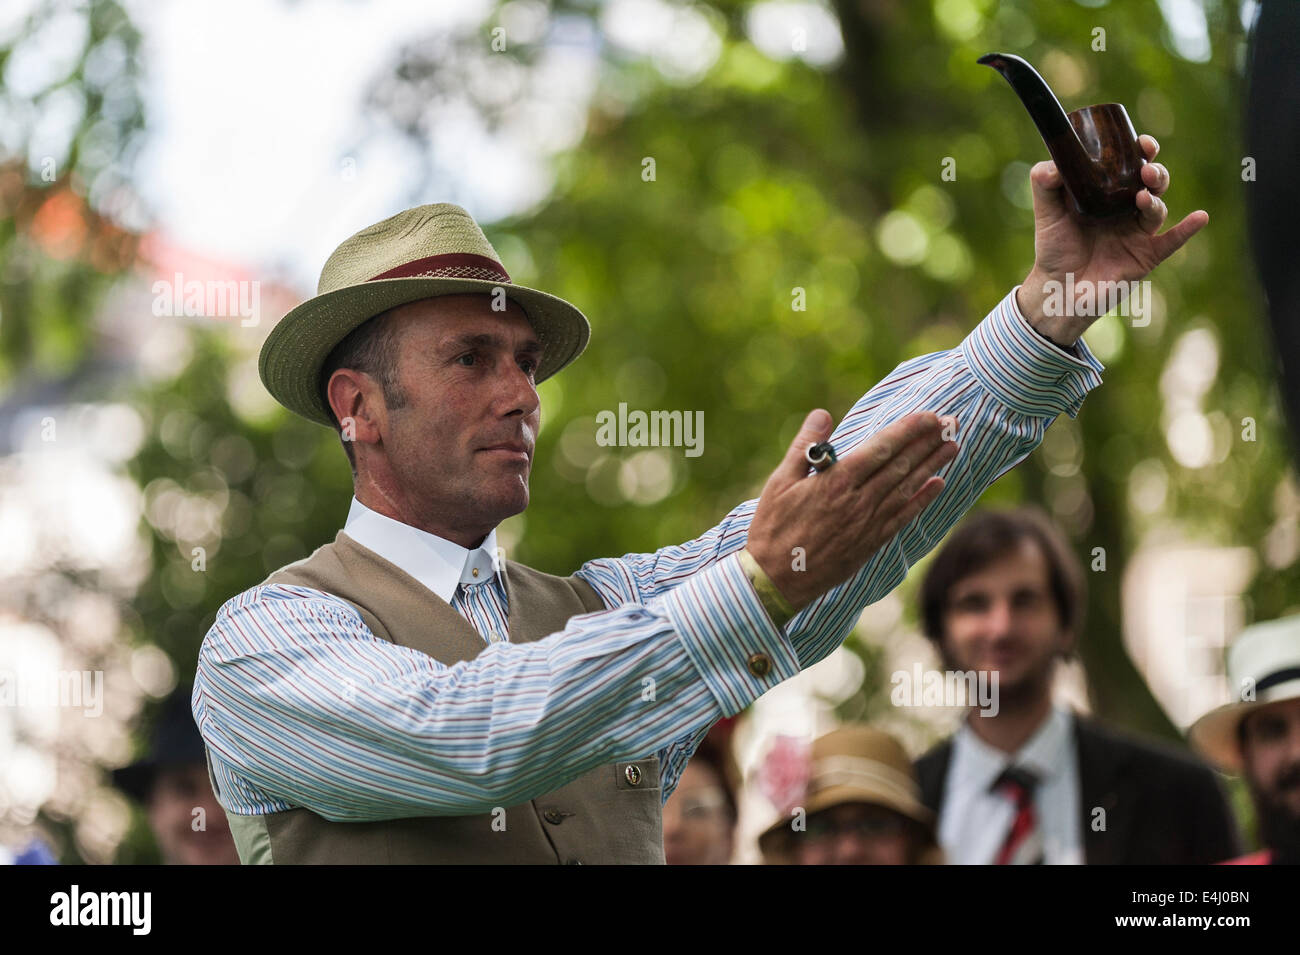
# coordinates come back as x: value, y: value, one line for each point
x: 998, y: 618
x: 851, y: 848
x: 1293, y: 741
x: 517, y: 391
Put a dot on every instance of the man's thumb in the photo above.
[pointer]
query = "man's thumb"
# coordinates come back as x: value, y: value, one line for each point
x: 1048, y: 188
x: 816, y: 427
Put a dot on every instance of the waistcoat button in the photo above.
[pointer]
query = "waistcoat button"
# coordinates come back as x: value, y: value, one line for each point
x: 633, y: 774
x: 573, y: 862
x: 553, y: 816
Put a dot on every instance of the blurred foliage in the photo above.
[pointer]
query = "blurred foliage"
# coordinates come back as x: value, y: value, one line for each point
x: 62, y: 183
x: 771, y: 174
x: 70, y: 124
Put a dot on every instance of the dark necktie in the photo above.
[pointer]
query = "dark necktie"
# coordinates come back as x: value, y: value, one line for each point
x: 1023, y: 844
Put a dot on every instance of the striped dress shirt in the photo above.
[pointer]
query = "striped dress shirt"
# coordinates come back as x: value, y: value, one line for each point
x: 409, y: 736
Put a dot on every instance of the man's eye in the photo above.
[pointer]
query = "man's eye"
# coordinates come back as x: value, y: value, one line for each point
x: 469, y: 355
x: 529, y: 366
x: 1270, y: 730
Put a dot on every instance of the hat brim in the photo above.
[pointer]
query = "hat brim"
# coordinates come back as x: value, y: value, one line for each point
x: 1215, y: 733
x: 295, y: 350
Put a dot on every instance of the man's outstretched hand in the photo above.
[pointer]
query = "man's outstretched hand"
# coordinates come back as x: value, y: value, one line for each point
x: 840, y: 517
x: 1123, y: 250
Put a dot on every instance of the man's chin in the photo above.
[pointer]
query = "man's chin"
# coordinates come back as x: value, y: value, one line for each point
x: 509, y: 502
x: 1279, y: 828
x: 1015, y: 683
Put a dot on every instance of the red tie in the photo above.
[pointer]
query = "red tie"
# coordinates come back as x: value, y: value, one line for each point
x: 1023, y: 843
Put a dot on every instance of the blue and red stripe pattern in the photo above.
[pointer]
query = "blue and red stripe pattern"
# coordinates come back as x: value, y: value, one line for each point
x: 301, y: 705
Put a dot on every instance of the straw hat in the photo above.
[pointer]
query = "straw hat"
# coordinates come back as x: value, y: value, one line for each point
x: 421, y: 253
x: 857, y: 764
x: 1263, y: 668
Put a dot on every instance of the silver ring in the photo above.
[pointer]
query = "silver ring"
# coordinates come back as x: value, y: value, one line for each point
x: 821, y: 456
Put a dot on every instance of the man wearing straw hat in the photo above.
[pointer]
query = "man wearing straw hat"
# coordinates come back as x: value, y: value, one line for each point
x: 1258, y: 733
x: 855, y: 802
x: 402, y: 695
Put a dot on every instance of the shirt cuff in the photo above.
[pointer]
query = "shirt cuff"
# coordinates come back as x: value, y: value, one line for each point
x: 737, y: 649
x: 1025, y: 371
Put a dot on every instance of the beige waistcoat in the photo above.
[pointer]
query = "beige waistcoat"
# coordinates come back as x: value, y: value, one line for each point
x: 609, y: 815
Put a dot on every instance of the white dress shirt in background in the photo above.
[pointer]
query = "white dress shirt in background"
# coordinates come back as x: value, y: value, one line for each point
x: 974, y: 820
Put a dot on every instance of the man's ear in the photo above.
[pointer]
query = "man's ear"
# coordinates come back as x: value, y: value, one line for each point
x: 358, y: 402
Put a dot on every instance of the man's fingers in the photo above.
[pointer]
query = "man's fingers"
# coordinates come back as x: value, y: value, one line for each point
x: 1149, y: 146
x: 1151, y: 211
x: 1048, y: 189
x: 1170, y: 242
x: 1156, y: 178
x: 906, y: 463
x: 885, y: 447
x: 919, y: 502
x: 912, y: 484
x: 1045, y: 175
x: 815, y: 428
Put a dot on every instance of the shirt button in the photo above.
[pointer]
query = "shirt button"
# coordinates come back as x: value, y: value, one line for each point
x: 632, y: 774
x: 474, y: 571
x: 760, y: 664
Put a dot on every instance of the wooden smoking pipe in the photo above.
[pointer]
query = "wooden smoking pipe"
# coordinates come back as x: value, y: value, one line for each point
x: 1094, y: 147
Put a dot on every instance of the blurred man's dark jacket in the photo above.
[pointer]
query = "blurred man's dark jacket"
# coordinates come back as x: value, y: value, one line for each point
x: 1163, y: 807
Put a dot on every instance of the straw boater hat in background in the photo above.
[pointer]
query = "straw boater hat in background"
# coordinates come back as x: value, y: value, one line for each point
x: 1263, y: 668
x: 851, y: 764
x: 421, y: 253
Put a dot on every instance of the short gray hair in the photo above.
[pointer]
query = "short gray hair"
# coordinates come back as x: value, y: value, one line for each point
x: 372, y: 348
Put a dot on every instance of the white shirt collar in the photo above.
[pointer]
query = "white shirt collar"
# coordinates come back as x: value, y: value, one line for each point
x: 434, y: 561
x: 1044, y: 753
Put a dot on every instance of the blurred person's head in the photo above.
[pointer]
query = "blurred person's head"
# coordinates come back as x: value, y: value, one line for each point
x: 858, y: 804
x: 856, y: 834
x: 186, y: 836
x: 1258, y: 733
x: 1005, y: 594
x: 699, y: 818
x: 1270, y: 751
x: 171, y: 783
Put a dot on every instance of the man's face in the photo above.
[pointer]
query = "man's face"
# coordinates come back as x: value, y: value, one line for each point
x: 177, y: 792
x: 854, y: 834
x: 461, y: 448
x: 1003, y: 618
x: 1271, y: 757
x: 697, y: 821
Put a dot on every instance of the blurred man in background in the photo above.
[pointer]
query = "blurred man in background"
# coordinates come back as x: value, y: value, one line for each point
x: 700, y: 815
x: 1024, y: 781
x: 857, y: 803
x: 1258, y: 734
x: 171, y: 783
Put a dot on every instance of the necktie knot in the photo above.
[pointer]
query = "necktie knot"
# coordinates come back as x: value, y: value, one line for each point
x: 1018, y: 783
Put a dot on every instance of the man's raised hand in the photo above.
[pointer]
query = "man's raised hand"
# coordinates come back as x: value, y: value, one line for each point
x: 842, y: 516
